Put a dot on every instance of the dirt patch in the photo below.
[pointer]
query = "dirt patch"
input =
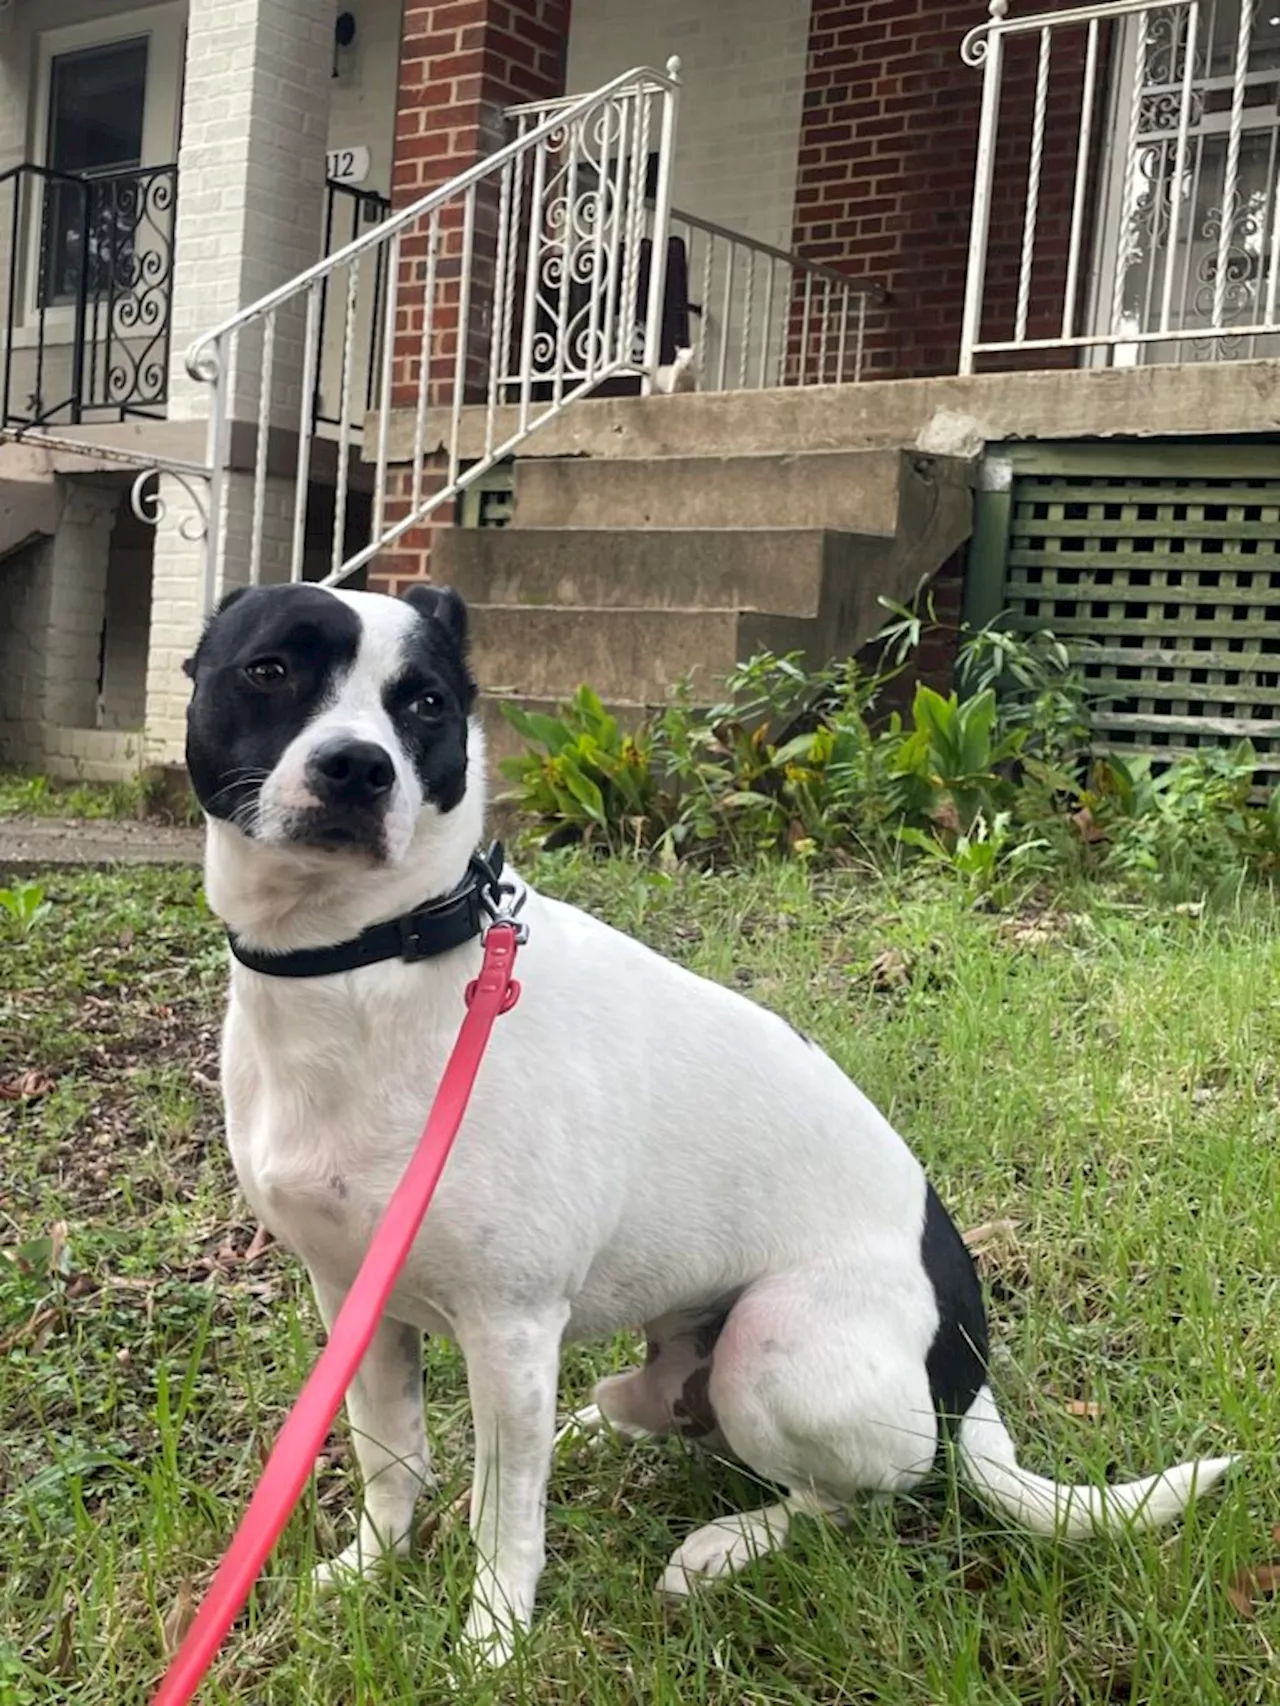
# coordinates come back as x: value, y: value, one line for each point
x: 29, y: 844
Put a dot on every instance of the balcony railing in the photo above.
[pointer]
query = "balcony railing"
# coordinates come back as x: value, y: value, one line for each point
x: 88, y: 281
x: 87, y: 294
x: 349, y: 213
x: 763, y: 317
x: 1127, y: 193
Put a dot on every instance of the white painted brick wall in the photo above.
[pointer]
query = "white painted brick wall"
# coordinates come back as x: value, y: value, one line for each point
x: 251, y: 174
x: 743, y: 68
x: 50, y: 636
x: 250, y: 216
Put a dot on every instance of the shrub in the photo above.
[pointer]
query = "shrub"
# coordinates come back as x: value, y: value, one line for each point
x: 996, y: 781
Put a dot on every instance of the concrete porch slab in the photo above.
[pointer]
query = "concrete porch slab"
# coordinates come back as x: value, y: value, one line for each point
x: 944, y: 416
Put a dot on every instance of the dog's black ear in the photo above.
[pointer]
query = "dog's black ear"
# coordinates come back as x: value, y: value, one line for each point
x: 443, y: 605
x: 190, y: 664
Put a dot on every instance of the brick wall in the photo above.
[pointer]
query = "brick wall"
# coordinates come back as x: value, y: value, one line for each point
x: 462, y: 64
x: 885, y: 182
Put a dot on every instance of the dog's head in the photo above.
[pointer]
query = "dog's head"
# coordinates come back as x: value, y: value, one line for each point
x: 331, y: 721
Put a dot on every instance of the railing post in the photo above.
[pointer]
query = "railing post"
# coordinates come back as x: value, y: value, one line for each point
x: 216, y: 372
x: 661, y: 225
x: 82, y: 302
x: 983, y: 47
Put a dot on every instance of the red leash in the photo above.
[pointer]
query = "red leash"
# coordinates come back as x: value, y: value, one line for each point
x: 307, y: 1426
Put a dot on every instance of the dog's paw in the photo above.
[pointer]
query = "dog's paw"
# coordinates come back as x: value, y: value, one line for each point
x: 489, y: 1638
x: 354, y: 1561
x: 722, y: 1549
x: 348, y: 1566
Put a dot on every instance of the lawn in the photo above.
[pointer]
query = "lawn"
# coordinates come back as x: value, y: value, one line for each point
x: 1094, y: 1089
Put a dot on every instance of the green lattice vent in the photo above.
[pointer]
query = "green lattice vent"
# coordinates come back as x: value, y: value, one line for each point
x: 1176, y: 581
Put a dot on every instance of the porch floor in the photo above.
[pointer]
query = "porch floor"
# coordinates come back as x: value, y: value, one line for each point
x: 950, y: 415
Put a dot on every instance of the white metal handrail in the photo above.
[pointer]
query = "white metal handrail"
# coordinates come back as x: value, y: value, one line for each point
x: 1172, y: 249
x: 466, y: 307
x: 767, y: 317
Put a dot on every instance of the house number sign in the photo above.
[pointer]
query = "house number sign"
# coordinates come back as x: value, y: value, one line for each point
x: 347, y: 165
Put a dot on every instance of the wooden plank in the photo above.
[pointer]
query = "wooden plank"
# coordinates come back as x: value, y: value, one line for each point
x: 1190, y: 692
x: 1194, y: 562
x: 1189, y: 459
x: 985, y: 567
x: 1173, y: 657
x: 1198, y: 496
x: 1139, y: 527
x: 1157, y: 628
x: 1235, y: 728
x: 1090, y: 590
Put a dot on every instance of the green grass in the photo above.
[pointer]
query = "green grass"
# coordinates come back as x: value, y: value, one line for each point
x: 27, y: 795
x: 1105, y: 1075
x: 23, y: 795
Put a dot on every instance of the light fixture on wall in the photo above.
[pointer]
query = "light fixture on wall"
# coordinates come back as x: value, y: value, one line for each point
x: 344, y: 33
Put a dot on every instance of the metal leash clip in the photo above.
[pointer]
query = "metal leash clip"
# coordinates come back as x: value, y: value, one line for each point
x: 502, y: 902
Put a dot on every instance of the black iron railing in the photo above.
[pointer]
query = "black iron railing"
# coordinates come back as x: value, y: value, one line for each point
x: 88, y: 293
x: 349, y: 212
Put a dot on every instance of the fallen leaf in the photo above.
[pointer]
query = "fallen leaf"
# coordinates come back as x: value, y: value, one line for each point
x: 1083, y: 1407
x: 977, y: 1576
x: 440, y: 1521
x: 1250, y: 1585
x: 25, y: 1087
x: 62, y: 1660
x: 1087, y: 827
x: 180, y: 1617
x: 30, y: 1332
x: 977, y: 1238
x: 259, y: 1244
x: 59, y: 1254
x: 890, y: 970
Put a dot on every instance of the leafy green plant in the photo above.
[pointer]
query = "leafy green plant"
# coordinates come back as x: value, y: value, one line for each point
x: 996, y: 781
x: 581, y: 773
x: 952, y: 765
x: 991, y: 857
x: 25, y: 907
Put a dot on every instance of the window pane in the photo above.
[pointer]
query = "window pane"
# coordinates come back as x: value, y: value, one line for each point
x: 96, y: 103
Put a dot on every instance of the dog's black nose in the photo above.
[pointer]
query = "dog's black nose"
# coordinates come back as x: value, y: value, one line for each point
x: 351, y: 773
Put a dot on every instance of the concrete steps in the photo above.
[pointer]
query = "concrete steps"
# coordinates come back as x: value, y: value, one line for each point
x: 549, y: 651
x: 852, y: 490
x: 632, y: 574
x: 775, y: 569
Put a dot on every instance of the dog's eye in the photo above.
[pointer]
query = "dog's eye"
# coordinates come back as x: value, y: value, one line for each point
x: 427, y: 706
x: 267, y: 672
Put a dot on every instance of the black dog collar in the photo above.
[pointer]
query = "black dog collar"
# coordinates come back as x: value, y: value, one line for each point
x: 455, y: 918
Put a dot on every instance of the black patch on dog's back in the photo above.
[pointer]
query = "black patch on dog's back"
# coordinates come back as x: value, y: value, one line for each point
x: 957, y: 1359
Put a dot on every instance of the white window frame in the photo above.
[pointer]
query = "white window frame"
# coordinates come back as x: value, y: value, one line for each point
x: 164, y: 27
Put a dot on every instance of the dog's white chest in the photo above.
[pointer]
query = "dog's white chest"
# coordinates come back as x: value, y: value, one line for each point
x: 320, y: 1135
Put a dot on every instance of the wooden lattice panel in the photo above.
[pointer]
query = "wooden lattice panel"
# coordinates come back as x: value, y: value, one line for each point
x: 1176, y: 582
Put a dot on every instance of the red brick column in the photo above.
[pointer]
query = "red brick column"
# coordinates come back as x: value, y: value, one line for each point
x: 462, y: 64
x: 885, y: 181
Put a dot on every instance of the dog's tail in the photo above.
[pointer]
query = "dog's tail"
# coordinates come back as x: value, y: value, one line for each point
x: 1055, y: 1508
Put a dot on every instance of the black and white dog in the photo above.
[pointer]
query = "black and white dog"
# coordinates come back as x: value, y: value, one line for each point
x: 644, y: 1149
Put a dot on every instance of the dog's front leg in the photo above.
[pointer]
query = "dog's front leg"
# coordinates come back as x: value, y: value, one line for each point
x: 385, y: 1413
x: 513, y: 1363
